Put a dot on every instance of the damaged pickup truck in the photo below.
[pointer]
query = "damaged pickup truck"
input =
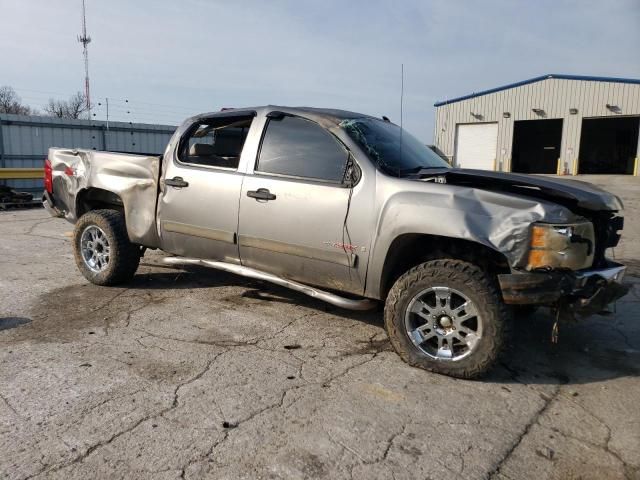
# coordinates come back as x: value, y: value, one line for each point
x: 349, y: 209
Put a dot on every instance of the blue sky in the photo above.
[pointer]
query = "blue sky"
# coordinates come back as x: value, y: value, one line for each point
x: 175, y: 58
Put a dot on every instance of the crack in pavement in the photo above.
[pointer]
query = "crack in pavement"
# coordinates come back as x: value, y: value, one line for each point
x: 82, y: 314
x: 327, y: 383
x: 495, y: 470
x: 89, y: 451
x: 130, y: 310
x: 196, y: 341
x: 30, y: 230
x: 390, y: 444
x: 381, y: 458
x: 20, y: 220
x: 606, y: 444
x: 252, y: 342
x: 37, y: 224
x: 535, y: 420
x: 275, y: 405
x: 205, y: 455
x: 624, y: 336
x: 98, y: 405
x: 10, y: 406
x: 175, y: 403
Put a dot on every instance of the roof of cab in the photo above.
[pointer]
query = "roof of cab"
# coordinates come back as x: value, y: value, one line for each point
x: 321, y: 115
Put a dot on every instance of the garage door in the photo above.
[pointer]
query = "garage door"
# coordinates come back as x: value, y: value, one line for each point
x: 476, y: 145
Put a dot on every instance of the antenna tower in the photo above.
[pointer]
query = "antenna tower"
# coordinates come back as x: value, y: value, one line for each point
x: 85, y: 40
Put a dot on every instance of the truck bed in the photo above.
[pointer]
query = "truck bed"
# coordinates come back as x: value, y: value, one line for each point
x: 125, y: 180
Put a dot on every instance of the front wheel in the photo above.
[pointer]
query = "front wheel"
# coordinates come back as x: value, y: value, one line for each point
x: 448, y: 317
x: 102, y: 249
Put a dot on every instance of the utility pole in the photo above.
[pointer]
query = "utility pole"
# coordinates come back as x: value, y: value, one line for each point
x: 106, y: 103
x: 85, y: 39
x: 105, y: 130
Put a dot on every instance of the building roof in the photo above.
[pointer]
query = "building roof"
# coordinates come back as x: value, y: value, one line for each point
x: 539, y: 79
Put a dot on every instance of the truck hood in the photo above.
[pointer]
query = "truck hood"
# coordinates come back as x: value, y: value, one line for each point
x: 575, y: 195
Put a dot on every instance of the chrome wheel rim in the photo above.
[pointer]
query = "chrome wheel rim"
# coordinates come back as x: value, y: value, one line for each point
x: 95, y: 248
x: 443, y: 323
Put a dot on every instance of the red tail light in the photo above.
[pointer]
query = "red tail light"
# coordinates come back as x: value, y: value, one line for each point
x: 48, y: 176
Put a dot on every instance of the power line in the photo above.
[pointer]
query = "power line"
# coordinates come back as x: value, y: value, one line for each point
x: 44, y: 95
x: 150, y: 103
x: 123, y: 110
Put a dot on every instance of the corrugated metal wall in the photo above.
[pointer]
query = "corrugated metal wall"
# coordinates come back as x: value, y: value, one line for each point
x: 553, y: 95
x: 25, y: 140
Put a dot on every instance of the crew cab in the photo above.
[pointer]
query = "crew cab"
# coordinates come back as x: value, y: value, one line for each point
x: 352, y: 210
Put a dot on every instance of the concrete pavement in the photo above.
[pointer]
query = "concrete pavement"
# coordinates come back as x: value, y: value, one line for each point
x: 199, y: 374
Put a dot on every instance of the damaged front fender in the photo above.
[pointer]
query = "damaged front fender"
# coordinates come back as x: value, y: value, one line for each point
x: 499, y: 221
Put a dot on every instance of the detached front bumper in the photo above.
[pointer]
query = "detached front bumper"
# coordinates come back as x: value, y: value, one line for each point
x: 583, y: 291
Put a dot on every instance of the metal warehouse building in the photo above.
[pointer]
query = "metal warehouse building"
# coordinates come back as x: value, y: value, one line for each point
x: 563, y: 124
x: 25, y: 140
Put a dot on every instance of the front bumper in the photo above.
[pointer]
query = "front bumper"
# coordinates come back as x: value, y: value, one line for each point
x: 583, y: 291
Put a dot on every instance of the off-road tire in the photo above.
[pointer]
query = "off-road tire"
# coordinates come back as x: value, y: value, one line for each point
x: 475, y: 284
x: 124, y: 256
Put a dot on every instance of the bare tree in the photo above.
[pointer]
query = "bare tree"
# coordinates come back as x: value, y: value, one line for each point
x: 10, y: 102
x: 72, y: 108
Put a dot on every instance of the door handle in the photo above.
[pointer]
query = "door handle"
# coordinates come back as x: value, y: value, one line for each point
x: 176, y: 182
x: 261, y: 194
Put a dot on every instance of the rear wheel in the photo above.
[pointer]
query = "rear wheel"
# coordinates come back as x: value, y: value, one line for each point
x: 446, y: 316
x: 104, y: 255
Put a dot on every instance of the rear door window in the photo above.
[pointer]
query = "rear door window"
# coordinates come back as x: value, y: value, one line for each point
x: 216, y: 142
x: 296, y: 147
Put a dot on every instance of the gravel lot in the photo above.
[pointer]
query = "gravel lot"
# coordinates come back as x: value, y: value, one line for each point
x: 194, y: 373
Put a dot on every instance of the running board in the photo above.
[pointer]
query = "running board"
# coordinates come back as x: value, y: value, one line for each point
x: 342, y: 302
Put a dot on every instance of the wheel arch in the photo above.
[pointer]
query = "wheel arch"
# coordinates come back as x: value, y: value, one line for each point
x: 410, y: 249
x: 94, y: 198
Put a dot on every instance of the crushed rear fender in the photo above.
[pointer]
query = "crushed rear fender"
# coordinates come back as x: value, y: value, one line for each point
x: 133, y: 178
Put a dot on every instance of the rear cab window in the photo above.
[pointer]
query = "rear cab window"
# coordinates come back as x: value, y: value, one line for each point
x: 215, y: 142
x: 296, y: 147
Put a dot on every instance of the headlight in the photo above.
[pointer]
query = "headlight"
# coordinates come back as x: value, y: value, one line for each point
x: 561, y: 246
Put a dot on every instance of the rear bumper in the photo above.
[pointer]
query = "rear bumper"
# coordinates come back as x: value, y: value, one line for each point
x: 49, y: 205
x: 584, y: 291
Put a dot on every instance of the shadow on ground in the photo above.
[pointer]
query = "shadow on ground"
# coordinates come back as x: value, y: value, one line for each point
x: 12, y: 322
x: 593, y: 350
x: 588, y: 351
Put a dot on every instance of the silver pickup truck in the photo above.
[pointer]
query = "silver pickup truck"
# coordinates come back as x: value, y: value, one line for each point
x: 352, y: 210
